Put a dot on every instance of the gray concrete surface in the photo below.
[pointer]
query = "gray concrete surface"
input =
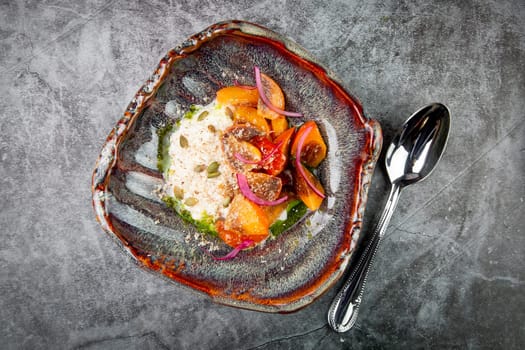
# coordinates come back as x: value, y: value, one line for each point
x: 450, y: 273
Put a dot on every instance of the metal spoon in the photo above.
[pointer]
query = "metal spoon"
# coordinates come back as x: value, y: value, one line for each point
x: 410, y: 158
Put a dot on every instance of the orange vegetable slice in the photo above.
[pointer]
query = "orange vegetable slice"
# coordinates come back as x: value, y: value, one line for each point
x: 279, y: 125
x: 238, y: 96
x: 233, y: 237
x: 311, y: 199
x: 245, y: 220
x: 249, y: 115
x: 275, y: 95
x: 242, y: 132
x: 273, y: 212
x: 314, y: 147
x: 232, y: 146
x: 285, y: 138
x: 264, y: 186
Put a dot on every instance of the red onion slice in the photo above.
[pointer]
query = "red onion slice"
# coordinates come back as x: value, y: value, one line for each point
x: 242, y: 181
x: 239, y: 156
x: 298, y: 164
x: 265, y: 99
x: 233, y: 253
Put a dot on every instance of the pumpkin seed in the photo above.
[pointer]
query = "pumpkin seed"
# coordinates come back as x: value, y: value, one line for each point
x: 200, y: 168
x: 229, y: 112
x: 213, y: 167
x: 214, y: 174
x: 226, y: 202
x: 178, y: 192
x: 191, y: 201
x: 203, y: 115
x: 183, y: 141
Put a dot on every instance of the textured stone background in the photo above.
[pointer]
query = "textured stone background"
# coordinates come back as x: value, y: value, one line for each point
x: 450, y: 273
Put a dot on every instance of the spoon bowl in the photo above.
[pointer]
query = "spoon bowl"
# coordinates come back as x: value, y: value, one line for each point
x: 415, y: 151
x: 410, y: 158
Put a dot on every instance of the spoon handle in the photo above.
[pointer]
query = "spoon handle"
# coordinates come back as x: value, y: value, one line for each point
x: 344, y: 308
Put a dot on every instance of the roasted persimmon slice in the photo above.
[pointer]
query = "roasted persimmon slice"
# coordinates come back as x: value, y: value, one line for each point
x: 311, y: 199
x: 231, y: 146
x: 264, y: 186
x: 279, y: 125
x: 285, y: 139
x: 314, y: 148
x: 238, y: 96
x: 273, y: 212
x: 275, y: 95
x: 249, y: 115
x: 243, y: 132
x: 233, y: 237
x: 245, y: 220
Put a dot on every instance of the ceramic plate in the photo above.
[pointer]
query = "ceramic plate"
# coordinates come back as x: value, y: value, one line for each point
x: 285, y: 273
